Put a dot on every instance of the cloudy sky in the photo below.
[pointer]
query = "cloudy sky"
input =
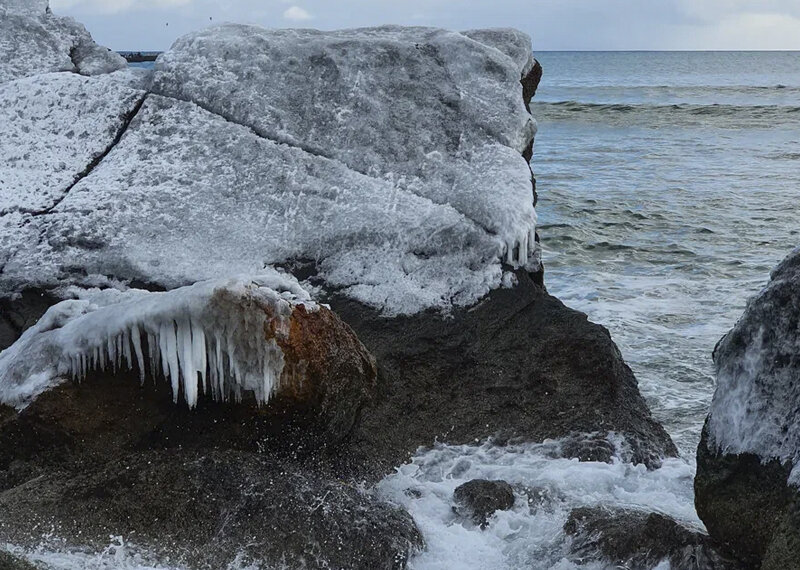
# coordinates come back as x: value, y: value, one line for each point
x: 554, y: 24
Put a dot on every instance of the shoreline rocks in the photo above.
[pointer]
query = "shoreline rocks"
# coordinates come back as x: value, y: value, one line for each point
x: 637, y: 539
x: 388, y: 170
x: 34, y: 41
x: 519, y: 365
x: 479, y: 499
x: 747, y: 460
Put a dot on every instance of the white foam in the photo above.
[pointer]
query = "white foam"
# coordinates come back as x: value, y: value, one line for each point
x: 526, y: 536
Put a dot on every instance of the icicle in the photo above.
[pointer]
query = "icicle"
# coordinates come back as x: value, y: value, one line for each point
x: 111, y: 352
x: 199, y: 353
x: 136, y: 340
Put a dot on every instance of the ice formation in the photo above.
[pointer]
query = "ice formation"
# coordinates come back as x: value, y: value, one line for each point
x: 756, y: 405
x: 33, y: 41
x: 389, y: 159
x: 215, y: 337
x: 54, y: 126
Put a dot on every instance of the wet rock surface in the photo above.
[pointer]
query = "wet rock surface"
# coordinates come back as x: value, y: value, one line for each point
x: 11, y: 562
x: 637, y: 539
x: 479, y: 499
x: 746, y: 485
x: 110, y: 456
x: 748, y: 507
x: 519, y: 364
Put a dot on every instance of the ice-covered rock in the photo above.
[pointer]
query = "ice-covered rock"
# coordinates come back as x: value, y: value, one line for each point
x: 55, y: 126
x: 390, y: 158
x: 220, y: 337
x: 749, y: 456
x: 259, y: 337
x: 33, y: 40
x: 434, y: 112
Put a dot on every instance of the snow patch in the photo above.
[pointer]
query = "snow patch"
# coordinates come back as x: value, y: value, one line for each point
x: 215, y: 337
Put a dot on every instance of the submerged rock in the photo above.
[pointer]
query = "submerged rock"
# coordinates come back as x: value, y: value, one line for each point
x: 637, y: 539
x: 479, y: 499
x: 747, y: 461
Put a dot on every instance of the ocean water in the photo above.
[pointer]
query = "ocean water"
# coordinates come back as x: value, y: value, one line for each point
x: 669, y: 186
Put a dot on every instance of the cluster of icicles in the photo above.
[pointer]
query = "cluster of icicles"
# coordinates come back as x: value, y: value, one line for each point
x: 520, y: 249
x: 192, y: 358
x: 218, y: 338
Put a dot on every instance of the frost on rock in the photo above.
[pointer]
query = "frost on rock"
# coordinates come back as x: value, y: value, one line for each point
x: 215, y: 337
x: 388, y: 160
x: 33, y: 41
x: 54, y: 126
x: 756, y: 406
x: 435, y: 112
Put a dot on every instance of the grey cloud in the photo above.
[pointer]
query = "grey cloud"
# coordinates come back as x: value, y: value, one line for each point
x: 554, y: 24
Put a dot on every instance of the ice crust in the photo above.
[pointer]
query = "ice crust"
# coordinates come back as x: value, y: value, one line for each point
x: 209, y: 337
x: 33, y: 41
x: 388, y: 159
x: 756, y: 406
x: 435, y: 112
x: 53, y: 126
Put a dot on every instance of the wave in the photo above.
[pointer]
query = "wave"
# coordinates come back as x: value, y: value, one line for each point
x: 733, y: 116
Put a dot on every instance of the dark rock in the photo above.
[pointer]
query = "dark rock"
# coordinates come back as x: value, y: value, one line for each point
x: 109, y: 455
x: 746, y: 505
x: 519, y: 365
x: 479, y: 499
x: 205, y: 508
x: 11, y: 562
x: 635, y: 539
x: 750, y: 440
x: 21, y: 312
x: 530, y: 83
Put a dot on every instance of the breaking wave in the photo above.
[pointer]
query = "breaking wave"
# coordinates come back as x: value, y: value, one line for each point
x: 674, y: 115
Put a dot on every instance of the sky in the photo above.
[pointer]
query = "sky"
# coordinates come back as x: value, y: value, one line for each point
x: 553, y: 24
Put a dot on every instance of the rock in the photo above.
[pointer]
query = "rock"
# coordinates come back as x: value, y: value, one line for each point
x: 34, y: 41
x: 11, y: 562
x: 390, y: 157
x: 747, y: 475
x: 518, y: 365
x: 113, y: 454
x: 221, y: 340
x: 56, y: 128
x: 209, y: 507
x: 479, y: 499
x: 636, y: 539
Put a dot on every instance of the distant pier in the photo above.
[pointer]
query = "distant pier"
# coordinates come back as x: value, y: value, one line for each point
x: 139, y: 56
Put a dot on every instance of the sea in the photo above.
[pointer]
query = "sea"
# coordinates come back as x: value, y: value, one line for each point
x: 669, y: 187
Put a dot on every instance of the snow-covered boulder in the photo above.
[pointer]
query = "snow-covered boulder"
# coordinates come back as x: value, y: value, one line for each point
x: 389, y: 158
x: 749, y: 457
x: 33, y: 40
x: 55, y: 127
